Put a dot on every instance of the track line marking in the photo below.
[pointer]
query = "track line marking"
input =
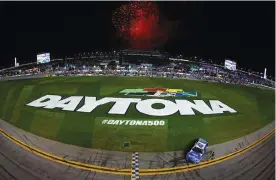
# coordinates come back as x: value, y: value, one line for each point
x: 131, y: 166
x: 119, y: 171
x: 127, y: 171
x: 135, y: 166
x: 158, y: 171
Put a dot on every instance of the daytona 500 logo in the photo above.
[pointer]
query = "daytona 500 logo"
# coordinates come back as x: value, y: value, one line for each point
x: 121, y: 105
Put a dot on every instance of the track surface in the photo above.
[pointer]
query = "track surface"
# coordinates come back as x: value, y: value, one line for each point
x: 256, y: 164
x: 17, y: 163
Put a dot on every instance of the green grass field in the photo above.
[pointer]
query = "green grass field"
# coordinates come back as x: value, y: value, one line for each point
x: 255, y: 107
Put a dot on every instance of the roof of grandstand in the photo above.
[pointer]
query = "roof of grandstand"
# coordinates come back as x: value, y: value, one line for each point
x: 140, y: 52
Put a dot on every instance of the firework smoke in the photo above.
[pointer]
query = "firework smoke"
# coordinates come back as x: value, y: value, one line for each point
x: 139, y: 24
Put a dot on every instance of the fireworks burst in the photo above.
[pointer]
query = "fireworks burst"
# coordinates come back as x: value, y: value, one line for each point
x: 138, y: 23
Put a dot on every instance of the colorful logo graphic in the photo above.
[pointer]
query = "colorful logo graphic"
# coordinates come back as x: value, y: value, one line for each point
x: 158, y: 92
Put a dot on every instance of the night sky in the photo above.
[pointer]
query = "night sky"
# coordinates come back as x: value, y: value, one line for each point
x: 242, y: 31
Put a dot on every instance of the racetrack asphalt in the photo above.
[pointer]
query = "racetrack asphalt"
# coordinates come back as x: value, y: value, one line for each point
x: 256, y: 164
x: 19, y: 163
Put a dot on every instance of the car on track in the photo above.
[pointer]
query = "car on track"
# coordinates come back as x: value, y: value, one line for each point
x: 197, y: 151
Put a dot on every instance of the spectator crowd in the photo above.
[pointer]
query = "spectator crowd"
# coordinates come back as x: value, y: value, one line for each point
x: 187, y: 70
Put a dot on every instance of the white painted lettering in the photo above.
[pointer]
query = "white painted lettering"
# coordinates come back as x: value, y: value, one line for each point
x: 110, y: 122
x: 162, y: 123
x: 145, y: 123
x: 132, y: 123
x: 139, y: 123
x: 41, y: 102
x: 219, y: 107
x: 122, y: 104
x: 116, y: 122
x: 105, y: 121
x: 91, y: 103
x: 186, y: 108
x: 67, y: 104
x: 145, y: 107
x: 156, y: 123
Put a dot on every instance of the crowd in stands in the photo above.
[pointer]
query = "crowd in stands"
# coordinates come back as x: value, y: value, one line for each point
x: 187, y: 70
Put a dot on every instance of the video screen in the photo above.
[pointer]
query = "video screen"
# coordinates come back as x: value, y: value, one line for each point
x: 231, y: 65
x: 43, y: 58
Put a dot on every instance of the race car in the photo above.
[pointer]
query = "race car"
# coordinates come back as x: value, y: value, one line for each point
x: 196, y: 153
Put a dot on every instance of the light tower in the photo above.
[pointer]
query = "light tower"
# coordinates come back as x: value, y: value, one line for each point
x: 265, y: 73
x: 15, y: 63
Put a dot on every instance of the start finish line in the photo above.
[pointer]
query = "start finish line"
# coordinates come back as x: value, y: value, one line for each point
x: 121, y: 105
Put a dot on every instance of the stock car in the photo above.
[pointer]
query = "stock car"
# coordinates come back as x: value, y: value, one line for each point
x: 197, y: 151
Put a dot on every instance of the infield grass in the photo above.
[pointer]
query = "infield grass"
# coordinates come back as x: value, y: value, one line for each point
x: 255, y: 107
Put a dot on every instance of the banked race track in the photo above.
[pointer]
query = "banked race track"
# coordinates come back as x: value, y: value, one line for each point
x: 133, y: 127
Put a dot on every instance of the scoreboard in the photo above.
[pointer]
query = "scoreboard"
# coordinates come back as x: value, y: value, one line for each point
x: 231, y: 65
x: 43, y: 58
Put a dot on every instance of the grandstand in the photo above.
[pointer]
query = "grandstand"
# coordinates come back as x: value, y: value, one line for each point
x: 138, y: 57
x: 138, y: 63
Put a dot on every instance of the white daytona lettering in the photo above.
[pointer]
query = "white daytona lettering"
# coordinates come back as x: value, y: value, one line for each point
x: 184, y: 107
